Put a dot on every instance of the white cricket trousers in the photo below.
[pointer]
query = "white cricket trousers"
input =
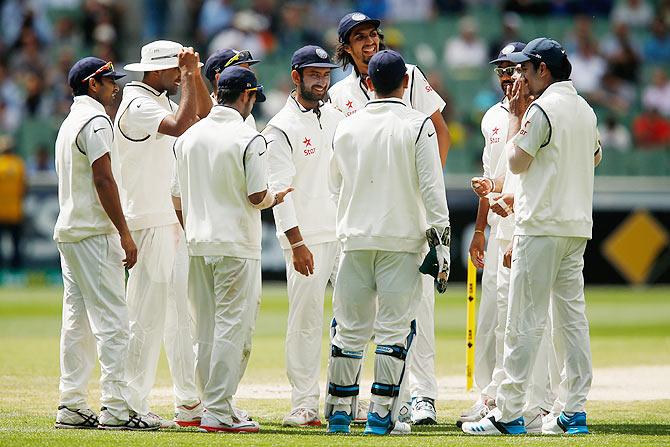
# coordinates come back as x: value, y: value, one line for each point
x: 225, y: 293
x: 421, y: 358
x: 159, y: 313
x: 95, y: 318
x: 375, y: 293
x: 486, y: 340
x: 546, y: 270
x: 305, y: 322
x: 539, y: 394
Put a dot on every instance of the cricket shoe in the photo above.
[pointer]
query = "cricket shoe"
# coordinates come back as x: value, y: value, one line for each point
x: 571, y: 425
x: 423, y: 411
x: 405, y: 412
x: 339, y: 422
x: 166, y: 424
x: 211, y: 424
x: 401, y: 428
x: 302, y: 417
x: 362, y: 408
x: 241, y: 414
x: 533, y: 423
x: 189, y: 415
x: 478, y: 411
x: 135, y: 422
x: 491, y: 425
x: 377, y: 425
x: 83, y: 418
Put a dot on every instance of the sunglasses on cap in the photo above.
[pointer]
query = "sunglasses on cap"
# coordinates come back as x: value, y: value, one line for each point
x: 509, y: 71
x: 107, y: 67
x: 240, y: 56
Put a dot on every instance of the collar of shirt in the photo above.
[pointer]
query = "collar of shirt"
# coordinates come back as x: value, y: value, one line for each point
x: 359, y: 80
x: 90, y: 102
x: 564, y: 87
x: 384, y: 101
x: 292, y: 101
x: 141, y: 84
x: 225, y: 113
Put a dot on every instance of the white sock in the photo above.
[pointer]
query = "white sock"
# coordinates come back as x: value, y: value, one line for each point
x: 381, y: 410
x: 340, y: 407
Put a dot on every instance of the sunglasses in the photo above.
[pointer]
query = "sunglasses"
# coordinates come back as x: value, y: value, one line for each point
x: 509, y: 71
x: 240, y: 56
x: 107, y: 67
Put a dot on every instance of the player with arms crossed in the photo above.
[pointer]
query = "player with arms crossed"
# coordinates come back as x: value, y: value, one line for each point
x: 359, y: 39
x: 220, y: 188
x: 145, y: 129
x: 94, y: 244
x: 299, y: 144
x: 553, y: 146
x: 390, y: 191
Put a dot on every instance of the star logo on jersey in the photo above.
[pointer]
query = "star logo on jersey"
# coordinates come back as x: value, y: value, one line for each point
x: 307, y: 142
x: 495, y: 130
x: 350, y: 105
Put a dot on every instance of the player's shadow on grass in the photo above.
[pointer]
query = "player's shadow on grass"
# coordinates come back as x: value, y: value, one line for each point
x: 631, y: 429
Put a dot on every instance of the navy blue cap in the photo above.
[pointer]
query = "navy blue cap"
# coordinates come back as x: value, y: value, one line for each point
x: 541, y: 49
x: 240, y: 79
x: 386, y: 69
x: 349, y: 21
x: 311, y: 56
x: 89, y: 67
x: 512, y: 47
x: 222, y: 59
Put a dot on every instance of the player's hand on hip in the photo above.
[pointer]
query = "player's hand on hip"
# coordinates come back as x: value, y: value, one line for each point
x: 481, y: 185
x: 507, y: 257
x: 279, y: 197
x: 503, y: 204
x: 303, y: 261
x: 477, y: 249
x: 187, y: 59
x: 130, y: 250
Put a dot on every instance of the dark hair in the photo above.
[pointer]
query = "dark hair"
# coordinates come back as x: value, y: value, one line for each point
x: 560, y: 72
x: 386, y: 90
x: 82, y: 87
x: 344, y: 59
x: 226, y: 96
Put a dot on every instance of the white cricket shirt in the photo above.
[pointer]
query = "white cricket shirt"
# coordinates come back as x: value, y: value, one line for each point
x: 145, y: 156
x: 494, y: 129
x: 85, y: 136
x: 299, y: 148
x: 214, y: 178
x: 386, y: 174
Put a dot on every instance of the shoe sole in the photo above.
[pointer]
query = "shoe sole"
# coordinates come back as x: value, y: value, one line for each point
x: 188, y: 423
x: 427, y: 421
x: 339, y: 429
x: 360, y: 421
x: 207, y: 429
x: 65, y: 426
x: 123, y: 427
x: 315, y: 423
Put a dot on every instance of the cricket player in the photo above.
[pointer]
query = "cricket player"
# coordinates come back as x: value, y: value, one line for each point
x: 359, y: 39
x: 145, y: 129
x: 221, y: 59
x: 94, y: 244
x: 497, y: 189
x: 220, y: 188
x: 299, y: 145
x: 554, y: 148
x: 386, y: 174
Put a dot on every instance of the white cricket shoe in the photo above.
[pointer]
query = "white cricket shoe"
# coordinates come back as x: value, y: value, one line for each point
x: 534, y: 423
x: 405, y: 412
x: 491, y: 425
x: 210, y: 423
x: 189, y: 415
x: 423, y: 411
x: 362, y: 412
x: 478, y: 411
x: 83, y: 418
x: 302, y: 417
x: 135, y: 422
x: 165, y: 423
x: 241, y: 414
x: 401, y: 428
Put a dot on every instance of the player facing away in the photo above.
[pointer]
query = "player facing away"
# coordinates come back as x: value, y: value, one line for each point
x: 299, y: 141
x: 359, y: 39
x: 220, y: 188
x: 94, y: 244
x: 386, y: 175
x: 492, y: 318
x: 145, y: 129
x: 553, y: 146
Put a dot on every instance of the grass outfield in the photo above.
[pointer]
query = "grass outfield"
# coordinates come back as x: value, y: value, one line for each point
x: 628, y: 328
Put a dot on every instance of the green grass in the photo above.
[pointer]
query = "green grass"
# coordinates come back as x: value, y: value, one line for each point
x: 629, y: 327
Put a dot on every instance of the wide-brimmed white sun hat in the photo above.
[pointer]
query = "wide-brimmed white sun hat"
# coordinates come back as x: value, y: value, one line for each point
x: 158, y: 55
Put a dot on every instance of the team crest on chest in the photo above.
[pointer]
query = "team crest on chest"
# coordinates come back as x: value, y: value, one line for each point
x: 309, y: 149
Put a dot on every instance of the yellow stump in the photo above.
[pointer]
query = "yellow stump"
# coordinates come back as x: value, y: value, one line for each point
x: 470, y: 326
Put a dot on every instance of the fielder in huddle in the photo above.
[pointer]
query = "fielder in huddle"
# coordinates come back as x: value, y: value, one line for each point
x: 390, y: 190
x: 359, y: 39
x: 299, y: 143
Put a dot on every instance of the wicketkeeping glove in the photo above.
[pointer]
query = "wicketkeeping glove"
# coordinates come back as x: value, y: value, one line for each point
x: 437, y: 261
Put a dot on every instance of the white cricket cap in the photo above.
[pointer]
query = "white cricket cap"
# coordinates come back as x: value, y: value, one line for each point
x: 158, y: 55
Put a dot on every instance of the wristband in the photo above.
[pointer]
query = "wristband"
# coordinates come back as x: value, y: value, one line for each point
x: 300, y: 243
x: 493, y: 183
x: 479, y: 231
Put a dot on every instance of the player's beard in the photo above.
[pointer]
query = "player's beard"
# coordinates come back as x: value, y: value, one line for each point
x: 307, y: 93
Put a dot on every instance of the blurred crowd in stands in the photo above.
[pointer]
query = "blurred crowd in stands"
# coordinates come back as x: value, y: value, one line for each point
x: 623, y: 71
